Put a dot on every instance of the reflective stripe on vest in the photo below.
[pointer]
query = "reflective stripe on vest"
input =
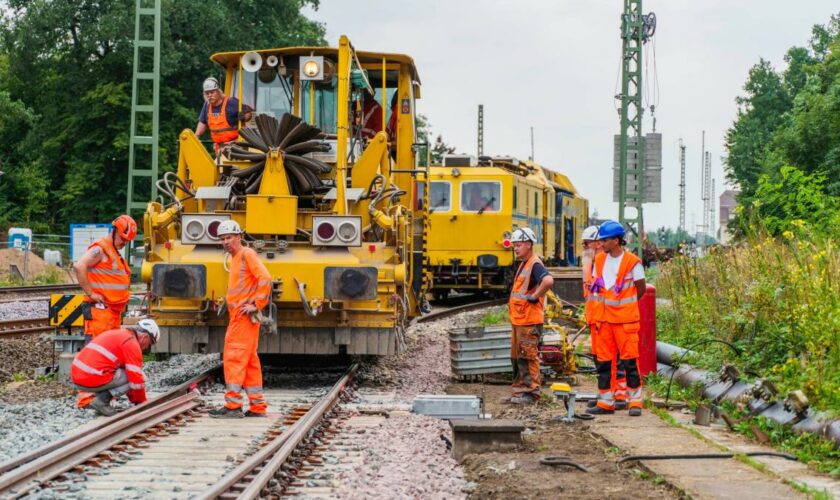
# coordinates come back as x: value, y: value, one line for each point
x: 521, y: 311
x: 220, y: 129
x: 620, y: 301
x: 111, y: 276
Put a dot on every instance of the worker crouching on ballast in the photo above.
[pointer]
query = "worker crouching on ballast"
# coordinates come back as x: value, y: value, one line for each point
x: 618, y: 284
x: 248, y: 292
x: 112, y: 365
x: 591, y: 248
x: 527, y: 315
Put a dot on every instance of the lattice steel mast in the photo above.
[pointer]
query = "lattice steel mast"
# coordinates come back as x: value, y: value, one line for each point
x: 682, y: 185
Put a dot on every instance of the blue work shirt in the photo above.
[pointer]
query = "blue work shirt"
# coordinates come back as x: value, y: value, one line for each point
x: 231, y: 111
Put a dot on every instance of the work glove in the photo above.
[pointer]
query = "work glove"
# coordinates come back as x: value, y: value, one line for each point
x: 597, y: 286
x: 531, y: 299
x: 243, y: 116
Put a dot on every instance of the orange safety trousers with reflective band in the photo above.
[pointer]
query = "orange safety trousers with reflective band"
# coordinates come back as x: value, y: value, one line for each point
x: 618, y: 380
x: 249, y: 283
x: 220, y: 129
x: 521, y: 311
x: 525, y: 350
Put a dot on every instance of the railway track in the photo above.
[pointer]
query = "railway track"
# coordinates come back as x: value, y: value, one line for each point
x: 35, y: 292
x: 17, y: 328
x: 442, y: 312
x: 171, y: 448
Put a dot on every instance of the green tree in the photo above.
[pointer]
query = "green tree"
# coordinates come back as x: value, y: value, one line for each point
x: 69, y: 63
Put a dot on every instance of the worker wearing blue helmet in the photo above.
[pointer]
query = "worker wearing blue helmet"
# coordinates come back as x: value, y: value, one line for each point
x: 618, y: 284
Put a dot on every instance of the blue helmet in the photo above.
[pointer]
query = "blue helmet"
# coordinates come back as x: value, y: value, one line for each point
x: 610, y: 229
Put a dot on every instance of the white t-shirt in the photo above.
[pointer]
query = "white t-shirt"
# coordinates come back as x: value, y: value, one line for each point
x: 611, y: 270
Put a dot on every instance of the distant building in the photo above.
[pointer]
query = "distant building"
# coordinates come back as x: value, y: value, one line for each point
x: 728, y: 203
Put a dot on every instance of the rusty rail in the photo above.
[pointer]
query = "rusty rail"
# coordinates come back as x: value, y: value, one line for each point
x: 249, y: 479
x: 16, y: 328
x: 449, y: 311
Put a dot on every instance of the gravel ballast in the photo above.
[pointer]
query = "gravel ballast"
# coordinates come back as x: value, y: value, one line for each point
x: 24, y: 309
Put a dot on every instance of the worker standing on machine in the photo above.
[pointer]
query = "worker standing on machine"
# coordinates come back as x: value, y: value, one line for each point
x: 591, y: 248
x: 220, y: 114
x: 618, y: 283
x: 105, y: 278
x: 249, y: 290
x: 112, y: 365
x: 527, y: 315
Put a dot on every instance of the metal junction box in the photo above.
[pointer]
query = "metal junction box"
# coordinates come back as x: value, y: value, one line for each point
x: 446, y: 406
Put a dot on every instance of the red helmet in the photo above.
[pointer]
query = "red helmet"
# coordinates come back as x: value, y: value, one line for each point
x: 125, y: 226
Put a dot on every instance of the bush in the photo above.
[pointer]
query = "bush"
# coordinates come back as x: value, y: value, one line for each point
x: 776, y: 299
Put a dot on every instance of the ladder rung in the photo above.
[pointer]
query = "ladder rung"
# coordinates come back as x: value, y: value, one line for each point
x: 147, y: 11
x: 140, y: 173
x: 143, y: 108
x: 144, y: 43
x: 142, y: 139
x: 145, y: 76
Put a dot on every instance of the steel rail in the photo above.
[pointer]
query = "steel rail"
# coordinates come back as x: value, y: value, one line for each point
x: 449, y: 311
x: 267, y: 461
x: 175, y: 392
x: 18, y: 327
x: 23, y: 479
x: 40, y: 288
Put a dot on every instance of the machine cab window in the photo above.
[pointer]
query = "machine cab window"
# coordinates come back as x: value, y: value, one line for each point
x: 440, y: 196
x: 483, y: 196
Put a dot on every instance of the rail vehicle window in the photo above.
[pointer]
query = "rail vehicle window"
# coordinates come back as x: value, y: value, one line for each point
x: 265, y: 91
x: 515, y: 196
x: 481, y: 196
x: 536, y: 201
x: 325, y: 105
x: 440, y: 196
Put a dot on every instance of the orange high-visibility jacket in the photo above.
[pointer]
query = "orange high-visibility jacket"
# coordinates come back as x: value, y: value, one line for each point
x: 111, y: 276
x: 618, y: 306
x: 220, y: 129
x: 593, y: 305
x: 96, y: 363
x: 249, y: 282
x: 523, y: 312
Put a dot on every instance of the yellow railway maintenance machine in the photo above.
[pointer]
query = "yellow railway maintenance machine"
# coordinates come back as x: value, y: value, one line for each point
x: 322, y: 202
x: 473, y: 207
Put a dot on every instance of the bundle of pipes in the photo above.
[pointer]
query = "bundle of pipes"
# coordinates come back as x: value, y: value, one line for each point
x: 293, y: 138
x: 759, y: 396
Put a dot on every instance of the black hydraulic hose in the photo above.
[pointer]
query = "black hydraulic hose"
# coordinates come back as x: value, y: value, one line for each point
x: 558, y: 461
x: 688, y: 350
x: 704, y: 456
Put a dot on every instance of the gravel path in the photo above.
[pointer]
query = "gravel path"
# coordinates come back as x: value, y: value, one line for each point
x: 24, y: 310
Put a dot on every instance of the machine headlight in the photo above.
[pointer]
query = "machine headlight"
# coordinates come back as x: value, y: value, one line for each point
x: 347, y: 231
x: 311, y: 69
x: 194, y: 229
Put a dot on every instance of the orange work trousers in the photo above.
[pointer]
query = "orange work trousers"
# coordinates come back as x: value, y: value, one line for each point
x: 617, y: 340
x: 524, y: 344
x: 103, y: 318
x: 618, y: 378
x: 242, y: 364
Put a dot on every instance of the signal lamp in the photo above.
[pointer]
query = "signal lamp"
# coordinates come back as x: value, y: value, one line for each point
x: 326, y: 231
x: 506, y: 243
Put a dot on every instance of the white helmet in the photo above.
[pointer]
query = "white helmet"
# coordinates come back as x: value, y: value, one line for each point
x: 211, y: 83
x: 590, y: 233
x: 228, y: 227
x: 523, y: 234
x: 149, y: 326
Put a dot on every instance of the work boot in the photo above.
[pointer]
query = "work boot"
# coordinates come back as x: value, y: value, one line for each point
x: 225, y: 412
x: 597, y: 410
x: 592, y: 403
x: 621, y: 405
x: 635, y: 412
x: 102, y: 404
x: 250, y: 413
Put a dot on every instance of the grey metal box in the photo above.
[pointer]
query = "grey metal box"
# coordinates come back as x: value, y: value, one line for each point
x: 479, y: 350
x: 447, y: 406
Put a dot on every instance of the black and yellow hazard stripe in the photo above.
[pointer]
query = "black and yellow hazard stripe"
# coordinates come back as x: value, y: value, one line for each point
x: 67, y: 310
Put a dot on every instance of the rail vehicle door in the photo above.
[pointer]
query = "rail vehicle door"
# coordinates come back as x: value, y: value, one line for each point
x: 569, y: 250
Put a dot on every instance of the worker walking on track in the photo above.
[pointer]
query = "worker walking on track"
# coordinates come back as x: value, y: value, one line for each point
x: 527, y: 315
x: 105, y: 278
x: 112, y: 365
x: 618, y: 284
x: 220, y: 114
x: 592, y: 247
x: 249, y: 290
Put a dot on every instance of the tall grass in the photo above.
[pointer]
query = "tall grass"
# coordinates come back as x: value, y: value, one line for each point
x: 776, y: 299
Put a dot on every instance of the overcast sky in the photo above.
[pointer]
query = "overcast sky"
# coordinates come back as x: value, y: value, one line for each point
x: 553, y: 64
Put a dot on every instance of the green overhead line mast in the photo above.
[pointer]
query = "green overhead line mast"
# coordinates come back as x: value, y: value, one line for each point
x: 636, y: 30
x: 145, y: 104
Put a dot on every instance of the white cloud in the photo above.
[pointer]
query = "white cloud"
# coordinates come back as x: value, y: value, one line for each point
x: 552, y: 64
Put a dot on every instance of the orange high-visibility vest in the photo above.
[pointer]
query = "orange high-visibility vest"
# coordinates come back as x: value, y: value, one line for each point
x: 521, y: 311
x: 249, y: 281
x: 96, y: 363
x: 592, y: 306
x: 220, y: 129
x: 620, y: 302
x: 111, y: 276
